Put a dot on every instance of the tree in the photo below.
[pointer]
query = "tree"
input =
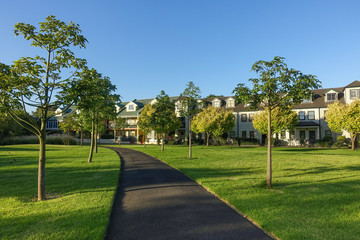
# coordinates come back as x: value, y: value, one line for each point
x: 214, y: 96
x: 67, y: 125
x: 281, y: 120
x: 277, y: 87
x: 212, y: 120
x: 164, y: 119
x: 92, y: 93
x: 144, y: 121
x: 345, y: 117
x: 119, y: 124
x: 32, y: 81
x: 190, y: 106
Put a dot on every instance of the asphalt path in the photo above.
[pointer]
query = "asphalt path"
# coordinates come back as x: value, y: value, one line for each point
x: 156, y: 201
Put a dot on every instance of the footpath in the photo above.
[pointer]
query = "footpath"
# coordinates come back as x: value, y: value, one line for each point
x: 156, y: 201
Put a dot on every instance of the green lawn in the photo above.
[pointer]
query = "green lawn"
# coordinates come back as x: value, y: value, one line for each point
x: 316, y: 192
x: 83, y: 192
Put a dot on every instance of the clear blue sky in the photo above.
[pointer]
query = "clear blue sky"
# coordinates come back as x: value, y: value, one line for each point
x: 145, y: 46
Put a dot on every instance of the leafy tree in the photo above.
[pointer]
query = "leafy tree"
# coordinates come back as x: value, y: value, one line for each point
x: 8, y: 128
x: 190, y: 106
x: 144, y: 121
x: 345, y: 117
x: 212, y: 120
x: 214, y: 96
x: 92, y: 93
x: 119, y: 124
x: 67, y: 125
x: 32, y: 81
x: 281, y: 120
x: 277, y: 87
x: 164, y: 119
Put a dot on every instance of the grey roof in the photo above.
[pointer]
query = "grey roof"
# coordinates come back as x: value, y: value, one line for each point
x: 307, y: 124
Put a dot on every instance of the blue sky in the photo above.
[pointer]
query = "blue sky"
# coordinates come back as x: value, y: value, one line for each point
x: 146, y: 46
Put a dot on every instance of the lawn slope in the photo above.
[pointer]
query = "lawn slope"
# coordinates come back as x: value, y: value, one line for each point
x: 81, y: 193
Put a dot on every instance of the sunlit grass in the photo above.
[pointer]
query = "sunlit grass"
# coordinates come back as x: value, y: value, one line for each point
x: 80, y: 194
x: 316, y: 192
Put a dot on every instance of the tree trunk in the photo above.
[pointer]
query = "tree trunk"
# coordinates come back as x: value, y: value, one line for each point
x: 81, y: 138
x: 207, y: 139
x: 353, y: 140
x: 162, y: 142
x: 92, y: 142
x: 68, y: 138
x: 42, y: 159
x: 96, y: 137
x: 269, y: 169
x: 190, y: 150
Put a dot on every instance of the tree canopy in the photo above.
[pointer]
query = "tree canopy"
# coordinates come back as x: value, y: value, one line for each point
x: 278, y: 86
x: 344, y: 117
x: 32, y: 81
x: 213, y: 121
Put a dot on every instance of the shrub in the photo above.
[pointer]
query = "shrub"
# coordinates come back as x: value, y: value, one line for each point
x: 327, y: 141
x: 107, y: 136
x: 341, y: 142
x: 57, y: 139
x: 249, y: 141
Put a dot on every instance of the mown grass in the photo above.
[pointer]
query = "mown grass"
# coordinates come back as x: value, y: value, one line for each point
x: 81, y: 193
x: 315, y: 193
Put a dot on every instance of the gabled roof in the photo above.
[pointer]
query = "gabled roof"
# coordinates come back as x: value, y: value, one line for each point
x: 355, y: 83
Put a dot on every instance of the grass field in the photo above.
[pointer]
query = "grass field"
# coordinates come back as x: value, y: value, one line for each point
x: 316, y: 192
x: 82, y: 193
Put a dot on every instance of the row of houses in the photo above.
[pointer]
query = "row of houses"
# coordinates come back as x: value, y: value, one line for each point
x: 311, y: 113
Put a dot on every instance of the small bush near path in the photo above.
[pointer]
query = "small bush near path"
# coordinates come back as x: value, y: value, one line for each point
x: 79, y: 194
x: 315, y: 193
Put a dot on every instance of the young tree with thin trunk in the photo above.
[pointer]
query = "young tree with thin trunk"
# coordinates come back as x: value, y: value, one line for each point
x: 144, y: 122
x: 277, y: 87
x: 32, y: 81
x: 119, y: 124
x: 67, y: 125
x: 213, y: 121
x: 345, y: 117
x: 190, y: 107
x: 93, y: 94
x: 164, y: 119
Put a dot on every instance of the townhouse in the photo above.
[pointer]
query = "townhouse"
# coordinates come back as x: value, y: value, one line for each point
x: 311, y: 113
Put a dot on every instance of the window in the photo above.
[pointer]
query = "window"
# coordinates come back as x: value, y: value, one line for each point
x: 251, y: 117
x: 331, y: 97
x: 243, y: 134
x: 243, y: 117
x: 216, y: 104
x: 230, y: 103
x: 311, y: 115
x: 327, y: 133
x: 131, y: 107
x: 302, y: 134
x: 282, y: 135
x: 302, y: 115
x: 252, y: 134
x: 354, y: 94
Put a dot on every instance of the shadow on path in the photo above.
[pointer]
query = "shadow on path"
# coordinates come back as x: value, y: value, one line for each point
x: 155, y: 201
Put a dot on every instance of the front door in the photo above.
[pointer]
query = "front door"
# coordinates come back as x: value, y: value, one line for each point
x: 311, y: 137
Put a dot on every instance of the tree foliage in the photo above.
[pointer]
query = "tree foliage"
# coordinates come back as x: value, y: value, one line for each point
x: 281, y: 120
x: 144, y: 121
x: 213, y: 121
x: 93, y: 95
x: 32, y: 81
x: 163, y: 119
x: 190, y: 106
x: 277, y: 87
x: 345, y: 117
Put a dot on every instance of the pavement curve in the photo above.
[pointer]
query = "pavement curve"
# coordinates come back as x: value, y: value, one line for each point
x: 156, y: 201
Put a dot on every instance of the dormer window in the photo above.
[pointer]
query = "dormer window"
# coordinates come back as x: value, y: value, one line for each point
x: 230, y: 103
x: 131, y: 107
x: 330, y: 97
x: 216, y: 104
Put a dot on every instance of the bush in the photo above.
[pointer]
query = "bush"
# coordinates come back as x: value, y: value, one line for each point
x: 57, y: 139
x: 199, y: 141
x: 178, y: 141
x: 341, y: 142
x: 327, y: 141
x: 248, y: 141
